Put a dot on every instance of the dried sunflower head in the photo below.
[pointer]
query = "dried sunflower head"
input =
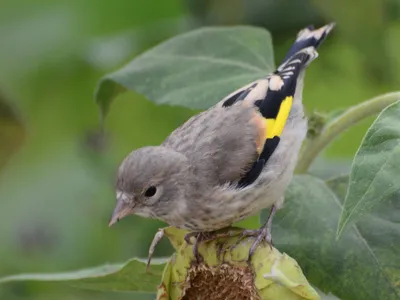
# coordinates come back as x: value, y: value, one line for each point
x: 226, y: 274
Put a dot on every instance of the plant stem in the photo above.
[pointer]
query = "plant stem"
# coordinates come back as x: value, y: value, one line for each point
x: 313, y: 147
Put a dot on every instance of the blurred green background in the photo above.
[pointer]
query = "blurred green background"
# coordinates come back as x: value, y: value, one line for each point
x: 57, y: 172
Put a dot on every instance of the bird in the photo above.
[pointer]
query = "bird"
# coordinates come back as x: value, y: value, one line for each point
x: 228, y: 162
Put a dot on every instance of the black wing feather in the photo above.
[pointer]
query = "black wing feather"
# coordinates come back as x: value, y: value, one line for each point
x: 295, y: 60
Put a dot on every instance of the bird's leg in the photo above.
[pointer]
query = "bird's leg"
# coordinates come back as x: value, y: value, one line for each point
x: 196, y: 253
x: 199, y: 238
x: 261, y: 234
x: 264, y: 233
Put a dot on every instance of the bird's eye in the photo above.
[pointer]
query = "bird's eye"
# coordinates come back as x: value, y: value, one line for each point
x: 151, y: 191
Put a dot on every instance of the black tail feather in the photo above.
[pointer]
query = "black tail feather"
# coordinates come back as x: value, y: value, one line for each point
x: 309, y: 37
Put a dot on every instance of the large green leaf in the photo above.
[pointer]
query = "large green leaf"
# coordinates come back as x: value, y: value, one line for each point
x: 195, y: 69
x: 375, y: 173
x: 130, y: 276
x: 380, y: 229
x: 388, y: 211
x: 360, y: 265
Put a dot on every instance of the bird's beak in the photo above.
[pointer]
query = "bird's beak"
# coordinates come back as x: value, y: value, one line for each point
x: 122, y: 209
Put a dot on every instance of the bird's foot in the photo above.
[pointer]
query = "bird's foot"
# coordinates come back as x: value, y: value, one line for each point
x: 199, y: 236
x: 206, y: 237
x: 263, y: 234
x: 157, y: 237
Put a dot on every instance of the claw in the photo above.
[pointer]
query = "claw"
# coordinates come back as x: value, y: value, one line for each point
x: 261, y: 234
x: 205, y: 237
x: 199, y: 238
x: 157, y: 238
x: 242, y: 236
x: 188, y: 237
x: 196, y: 253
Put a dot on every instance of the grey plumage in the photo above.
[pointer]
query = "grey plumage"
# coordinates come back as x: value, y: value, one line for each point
x: 220, y: 143
x: 196, y: 171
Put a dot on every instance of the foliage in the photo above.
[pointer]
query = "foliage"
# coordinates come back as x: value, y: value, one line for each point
x: 362, y: 264
x: 190, y: 69
x: 131, y: 276
x: 363, y: 261
x: 375, y: 170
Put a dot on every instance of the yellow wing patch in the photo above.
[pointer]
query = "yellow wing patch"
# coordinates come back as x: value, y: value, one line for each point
x: 270, y: 128
x: 275, y: 126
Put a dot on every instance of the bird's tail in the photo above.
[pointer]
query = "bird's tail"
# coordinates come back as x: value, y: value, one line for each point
x: 308, y: 37
x: 283, y: 82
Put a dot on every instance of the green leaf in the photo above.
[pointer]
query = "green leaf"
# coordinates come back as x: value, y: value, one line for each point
x: 130, y: 276
x: 380, y: 229
x: 363, y: 264
x: 195, y: 69
x: 375, y: 173
x: 326, y: 168
x: 388, y: 212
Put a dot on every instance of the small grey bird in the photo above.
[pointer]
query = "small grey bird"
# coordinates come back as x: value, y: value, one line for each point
x: 229, y: 162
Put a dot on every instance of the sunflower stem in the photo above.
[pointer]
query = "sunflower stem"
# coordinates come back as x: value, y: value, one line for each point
x: 313, y: 146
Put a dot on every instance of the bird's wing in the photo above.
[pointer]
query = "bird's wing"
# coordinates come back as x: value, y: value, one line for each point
x: 222, y: 143
x: 274, y: 95
x: 232, y: 141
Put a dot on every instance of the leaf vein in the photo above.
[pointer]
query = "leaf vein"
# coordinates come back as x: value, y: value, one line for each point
x: 221, y: 61
x: 369, y: 186
x: 257, y: 55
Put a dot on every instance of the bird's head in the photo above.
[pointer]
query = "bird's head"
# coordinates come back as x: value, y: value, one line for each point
x: 150, y: 183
